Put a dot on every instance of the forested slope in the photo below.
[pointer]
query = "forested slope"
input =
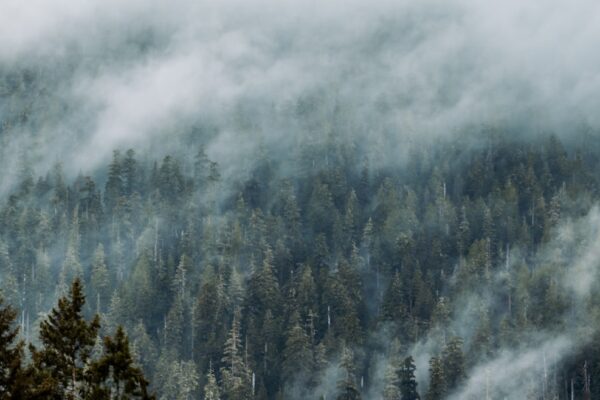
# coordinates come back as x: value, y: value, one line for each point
x: 458, y: 272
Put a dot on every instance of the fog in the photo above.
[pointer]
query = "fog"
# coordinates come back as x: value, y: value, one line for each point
x: 139, y: 72
x: 79, y: 79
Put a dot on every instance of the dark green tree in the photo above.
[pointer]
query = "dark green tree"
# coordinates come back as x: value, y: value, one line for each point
x: 391, y: 389
x: 67, y: 340
x: 100, y: 280
x: 453, y: 361
x: 297, y: 354
x: 211, y: 389
x: 15, y: 379
x: 408, y: 383
x: 437, y: 380
x: 347, y: 387
x: 236, y: 376
x: 114, y: 375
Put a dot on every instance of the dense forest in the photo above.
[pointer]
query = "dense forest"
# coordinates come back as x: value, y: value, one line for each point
x: 456, y: 273
x: 290, y: 200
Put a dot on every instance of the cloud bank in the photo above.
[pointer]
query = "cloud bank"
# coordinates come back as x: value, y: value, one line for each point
x: 129, y: 73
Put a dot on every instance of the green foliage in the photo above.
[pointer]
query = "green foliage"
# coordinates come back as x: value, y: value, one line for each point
x: 67, y: 340
x: 408, y: 384
x: 347, y: 388
x: 453, y: 361
x: 437, y: 380
x: 114, y: 375
x: 331, y: 254
x: 68, y: 365
x: 14, y: 379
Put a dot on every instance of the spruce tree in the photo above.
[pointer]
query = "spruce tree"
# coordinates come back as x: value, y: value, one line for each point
x: 454, y: 363
x: 67, y: 340
x: 408, y: 384
x: 393, y: 307
x: 114, y: 184
x: 297, y: 355
x: 100, y: 279
x: 347, y: 388
x: 114, y: 375
x: 211, y: 389
x: 391, y: 389
x: 14, y: 377
x: 235, y: 373
x: 437, y: 380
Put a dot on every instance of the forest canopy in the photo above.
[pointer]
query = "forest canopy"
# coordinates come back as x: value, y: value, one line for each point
x: 460, y: 273
x: 281, y: 200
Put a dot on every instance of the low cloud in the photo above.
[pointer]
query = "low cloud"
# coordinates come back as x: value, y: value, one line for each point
x: 139, y: 72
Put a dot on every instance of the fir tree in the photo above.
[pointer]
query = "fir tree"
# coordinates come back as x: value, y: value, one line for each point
x: 297, y: 355
x: 67, y: 340
x: 14, y: 378
x: 114, y: 375
x: 408, y: 384
x: 453, y: 361
x: 347, y: 388
x: 437, y: 380
x: 100, y: 280
x: 391, y: 389
x: 235, y: 373
x: 211, y: 389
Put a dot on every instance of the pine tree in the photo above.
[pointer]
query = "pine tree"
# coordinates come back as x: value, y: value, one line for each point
x: 235, y: 373
x: 179, y: 284
x: 130, y: 179
x: 143, y: 348
x: 393, y: 307
x: 408, y: 384
x: 263, y: 288
x: 71, y: 268
x: 174, y: 328
x: 297, y: 355
x: 437, y: 380
x: 202, y: 169
x: 14, y: 379
x: 347, y: 388
x: 114, y: 375
x: 482, y: 341
x: 440, y: 319
x: 464, y: 233
x: 100, y: 280
x: 209, y: 319
x: 67, y: 341
x: 453, y: 361
x: 186, y: 378
x: 211, y: 389
x: 114, y: 185
x: 391, y: 389
x: 307, y: 292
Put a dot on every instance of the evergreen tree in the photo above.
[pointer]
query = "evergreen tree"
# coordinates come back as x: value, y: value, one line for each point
x: 347, y: 388
x: 297, y: 355
x: 263, y: 288
x: 391, y: 389
x: 174, y: 326
x: 211, y: 389
x: 14, y: 377
x: 453, y: 361
x: 114, y: 375
x: 100, y: 280
x: 393, y: 307
x: 130, y: 174
x: 114, y: 184
x: 235, y: 373
x: 437, y: 380
x: 408, y: 384
x: 67, y: 340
